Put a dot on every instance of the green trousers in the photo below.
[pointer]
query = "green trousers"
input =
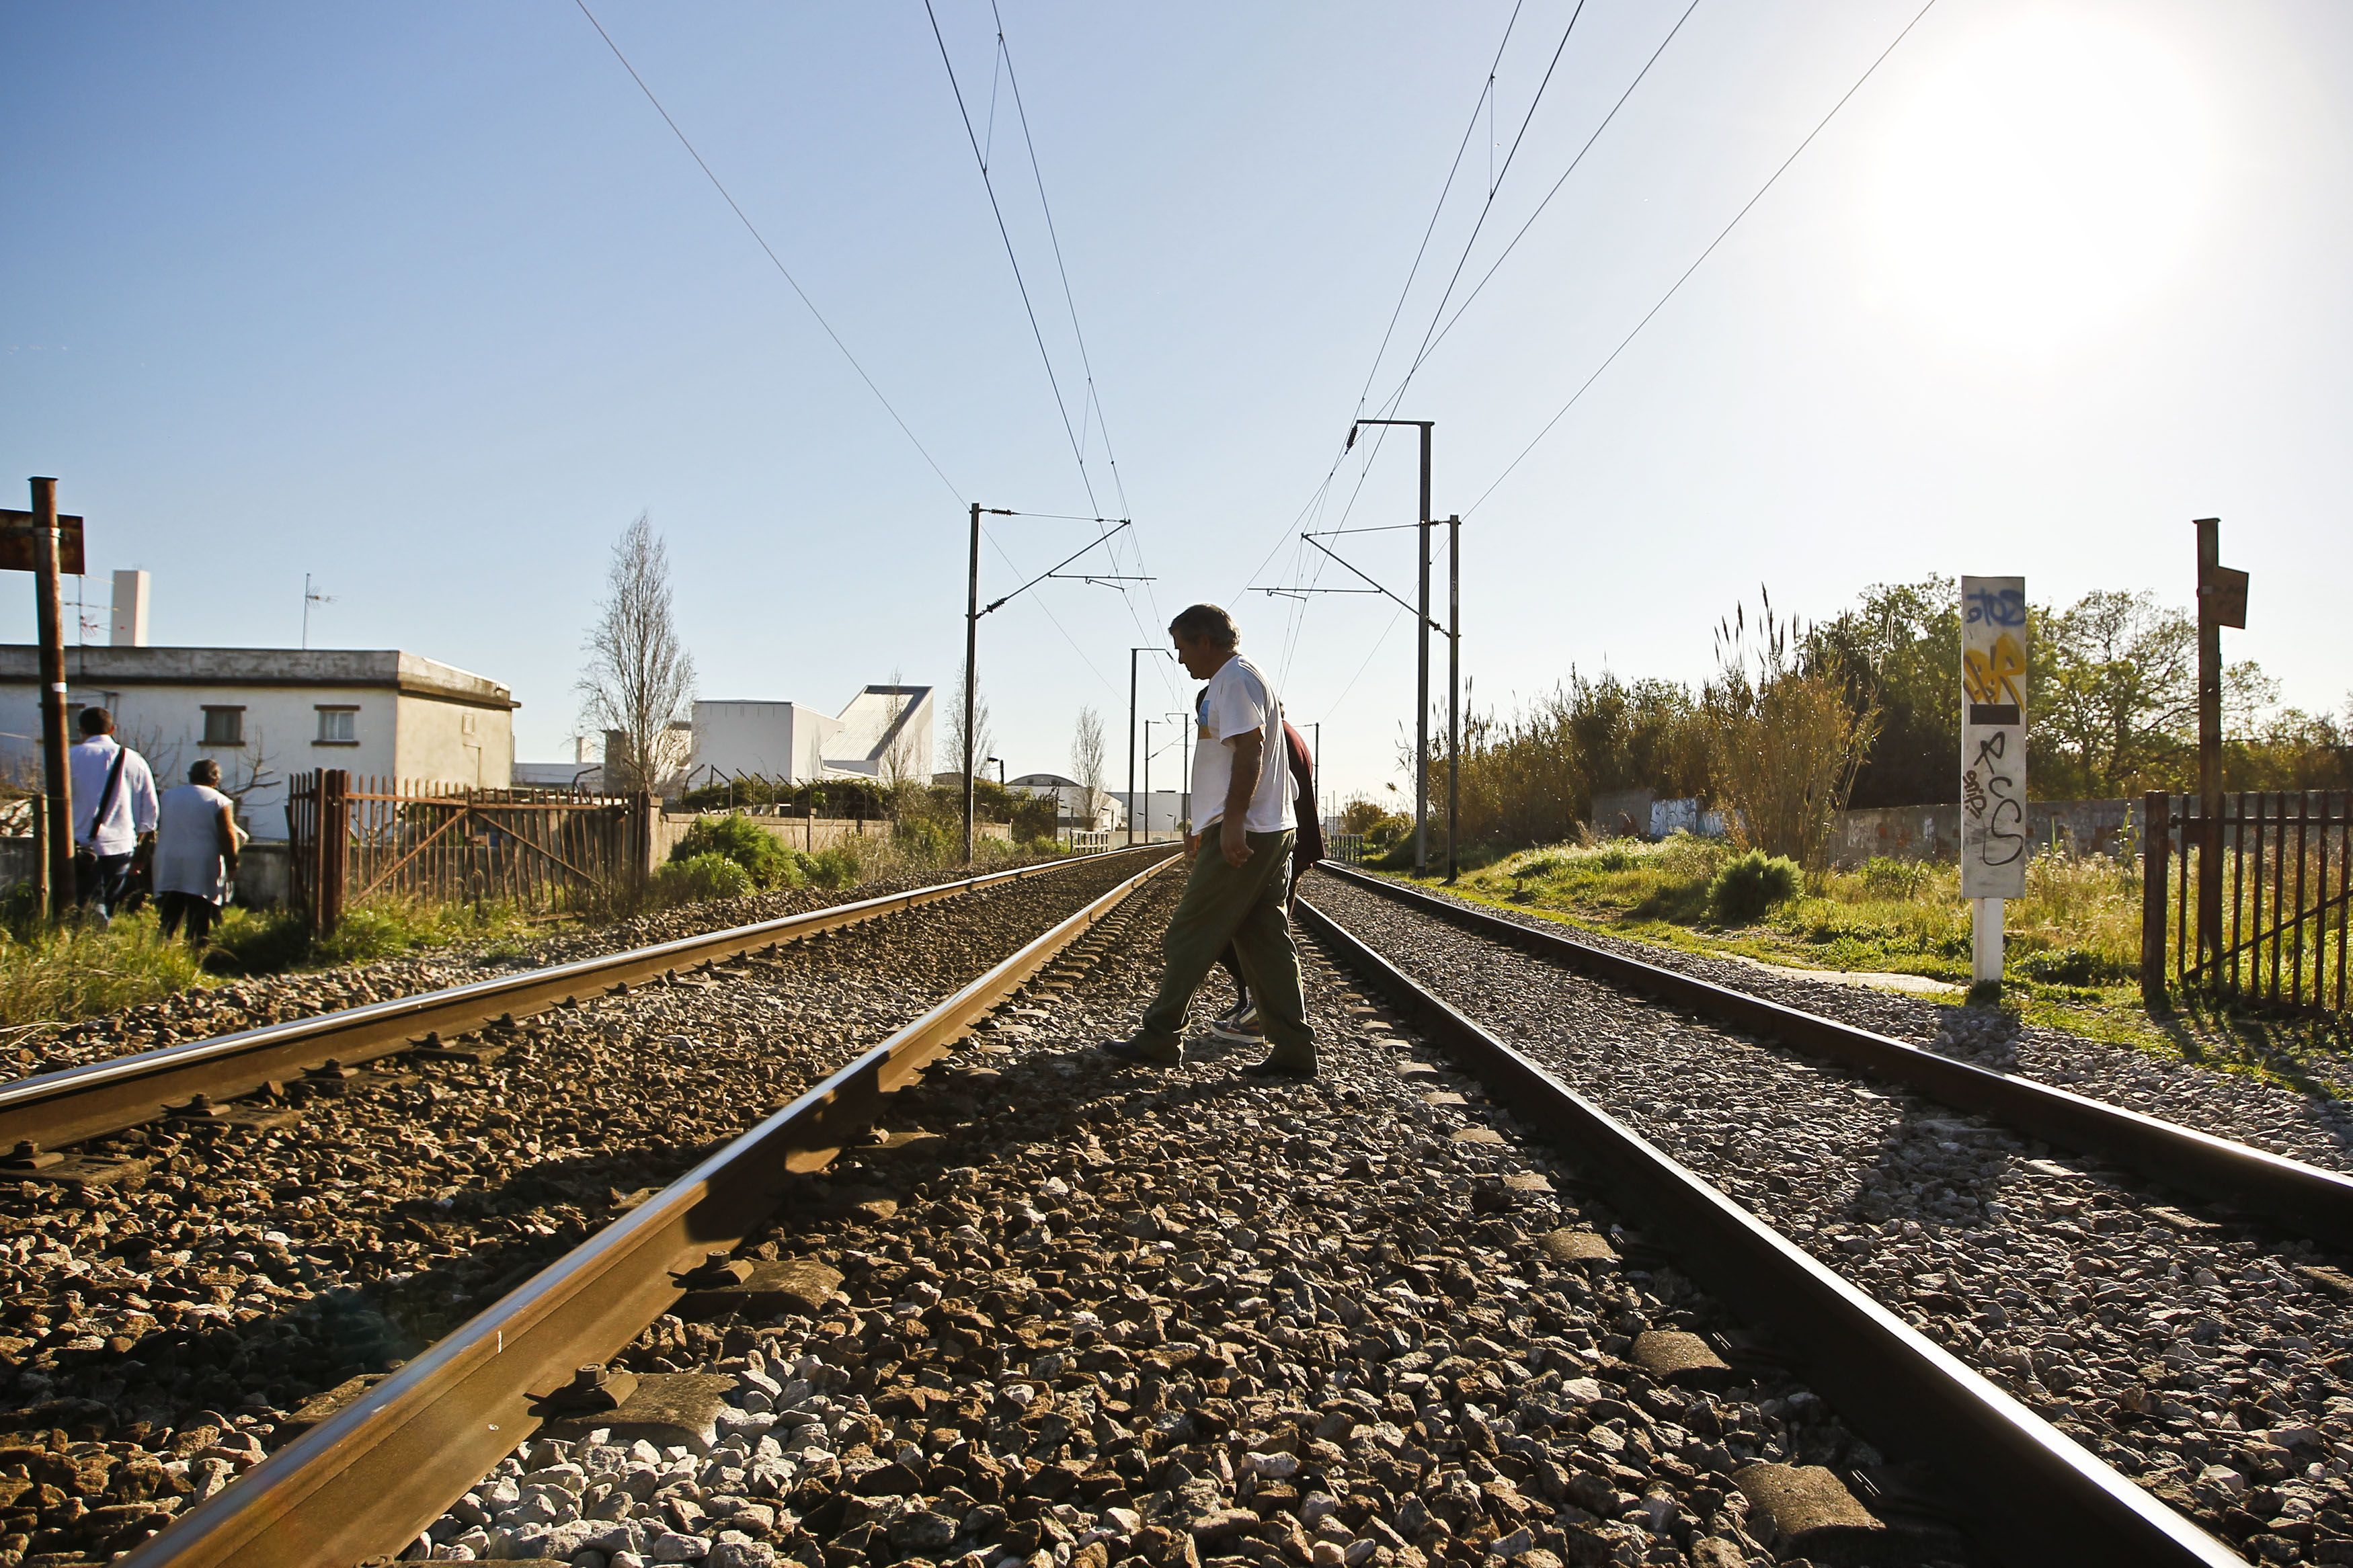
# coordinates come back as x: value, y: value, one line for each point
x: 1245, y: 905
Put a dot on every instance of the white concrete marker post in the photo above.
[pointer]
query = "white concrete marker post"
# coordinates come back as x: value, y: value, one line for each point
x: 1994, y: 843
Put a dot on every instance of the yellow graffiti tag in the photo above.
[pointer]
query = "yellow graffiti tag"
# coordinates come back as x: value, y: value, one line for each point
x: 1993, y: 676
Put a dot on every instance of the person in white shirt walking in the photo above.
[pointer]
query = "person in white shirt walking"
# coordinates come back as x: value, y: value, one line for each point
x: 1238, y: 892
x: 197, y: 841
x: 114, y: 807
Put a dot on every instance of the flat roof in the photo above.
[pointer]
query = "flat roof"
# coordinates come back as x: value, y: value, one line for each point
x: 411, y: 674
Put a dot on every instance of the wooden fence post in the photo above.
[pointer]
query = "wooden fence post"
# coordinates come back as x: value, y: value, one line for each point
x: 334, y: 846
x: 2155, y: 847
x: 644, y: 849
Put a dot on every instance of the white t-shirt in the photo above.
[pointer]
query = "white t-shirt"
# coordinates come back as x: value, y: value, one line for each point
x: 1238, y: 700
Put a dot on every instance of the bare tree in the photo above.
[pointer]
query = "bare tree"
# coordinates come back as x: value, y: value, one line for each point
x: 639, y: 677
x: 1087, y: 764
x: 895, y: 770
x: 981, y: 738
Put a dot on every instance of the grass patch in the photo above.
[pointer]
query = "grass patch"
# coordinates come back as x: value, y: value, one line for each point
x: 51, y: 976
x: 2071, y: 960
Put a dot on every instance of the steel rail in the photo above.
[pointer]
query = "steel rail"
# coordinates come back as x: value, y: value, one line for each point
x: 368, y: 1479
x: 53, y: 1109
x: 2033, y: 1496
x: 2304, y: 1199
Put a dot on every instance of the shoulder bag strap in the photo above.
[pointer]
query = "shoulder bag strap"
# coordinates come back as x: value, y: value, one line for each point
x: 106, y: 797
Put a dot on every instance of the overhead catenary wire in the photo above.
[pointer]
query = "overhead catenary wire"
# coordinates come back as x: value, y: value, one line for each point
x: 1062, y: 405
x: 760, y: 240
x: 1685, y: 278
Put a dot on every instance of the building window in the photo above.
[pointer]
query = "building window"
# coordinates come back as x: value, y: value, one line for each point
x: 224, y: 727
x: 338, y: 727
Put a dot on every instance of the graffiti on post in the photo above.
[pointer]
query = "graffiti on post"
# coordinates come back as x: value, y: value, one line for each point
x: 1994, y: 845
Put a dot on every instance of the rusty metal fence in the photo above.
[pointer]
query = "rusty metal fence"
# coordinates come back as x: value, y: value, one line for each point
x: 542, y: 851
x: 2251, y: 903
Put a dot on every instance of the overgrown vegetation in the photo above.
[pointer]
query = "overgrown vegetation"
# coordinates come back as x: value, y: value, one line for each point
x: 2112, y: 704
x: 2078, y: 925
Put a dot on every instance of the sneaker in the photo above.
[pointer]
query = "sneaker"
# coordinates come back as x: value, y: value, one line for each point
x: 1144, y: 1053
x: 1275, y: 1069
x: 1238, y: 1025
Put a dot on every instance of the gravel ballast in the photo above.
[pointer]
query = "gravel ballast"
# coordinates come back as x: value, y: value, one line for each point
x: 157, y: 1332
x: 2314, y: 1127
x: 204, y: 1011
x: 1161, y: 1318
x: 2202, y: 1357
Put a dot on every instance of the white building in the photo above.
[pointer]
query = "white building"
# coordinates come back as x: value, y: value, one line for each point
x: 884, y: 733
x: 266, y: 713
x: 1161, y: 810
x: 1071, y: 810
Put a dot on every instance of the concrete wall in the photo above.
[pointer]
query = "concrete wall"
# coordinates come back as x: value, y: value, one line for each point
x: 765, y: 740
x: 1933, y: 832
x: 448, y: 743
x: 264, y: 870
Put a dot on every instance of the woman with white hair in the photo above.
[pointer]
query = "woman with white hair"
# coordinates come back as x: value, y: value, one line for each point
x: 196, y: 840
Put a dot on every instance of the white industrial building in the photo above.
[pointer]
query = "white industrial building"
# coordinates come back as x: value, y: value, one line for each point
x: 884, y: 733
x: 264, y: 714
x: 1161, y: 810
x: 1071, y: 810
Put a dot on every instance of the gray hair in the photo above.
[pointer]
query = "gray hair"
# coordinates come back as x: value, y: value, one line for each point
x: 1209, y: 624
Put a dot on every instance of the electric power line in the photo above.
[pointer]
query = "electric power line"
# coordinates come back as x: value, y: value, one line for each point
x: 1061, y: 406
x: 1704, y: 255
x: 760, y: 240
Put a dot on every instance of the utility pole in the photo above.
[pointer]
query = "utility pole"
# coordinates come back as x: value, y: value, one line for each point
x: 1421, y: 666
x: 49, y: 613
x: 1132, y: 654
x: 2221, y: 602
x: 1148, y: 782
x: 1453, y: 687
x: 1316, y: 771
x: 971, y: 648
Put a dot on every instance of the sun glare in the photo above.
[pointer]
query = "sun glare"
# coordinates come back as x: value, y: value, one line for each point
x: 2041, y: 188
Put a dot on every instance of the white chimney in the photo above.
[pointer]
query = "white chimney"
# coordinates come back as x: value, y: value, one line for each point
x: 129, y: 609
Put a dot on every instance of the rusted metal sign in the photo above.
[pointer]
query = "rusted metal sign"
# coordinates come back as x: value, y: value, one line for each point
x: 1993, y: 738
x: 17, y: 541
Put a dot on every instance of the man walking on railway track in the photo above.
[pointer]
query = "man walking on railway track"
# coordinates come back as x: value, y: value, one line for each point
x: 1238, y: 891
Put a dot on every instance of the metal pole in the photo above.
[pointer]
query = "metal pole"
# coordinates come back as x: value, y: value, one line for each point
x: 56, y: 764
x: 2209, y: 743
x: 1315, y: 772
x: 1147, y: 780
x: 1422, y: 683
x: 971, y: 650
x: 1453, y: 687
x: 1131, y: 746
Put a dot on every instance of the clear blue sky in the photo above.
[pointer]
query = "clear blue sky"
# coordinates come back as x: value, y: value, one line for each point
x: 427, y: 301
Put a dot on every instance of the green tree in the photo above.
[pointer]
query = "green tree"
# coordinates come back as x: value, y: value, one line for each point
x: 1899, y: 653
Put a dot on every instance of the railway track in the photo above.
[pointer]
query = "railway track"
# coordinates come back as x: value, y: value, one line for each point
x: 983, y: 1296
x: 2192, y: 1346
x: 1066, y: 1311
x: 173, y: 1288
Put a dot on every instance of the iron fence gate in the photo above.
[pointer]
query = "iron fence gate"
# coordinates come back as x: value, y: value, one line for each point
x: 2250, y: 904
x: 546, y: 850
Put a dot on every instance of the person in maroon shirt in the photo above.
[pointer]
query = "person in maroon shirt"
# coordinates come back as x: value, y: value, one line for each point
x: 1240, y: 1021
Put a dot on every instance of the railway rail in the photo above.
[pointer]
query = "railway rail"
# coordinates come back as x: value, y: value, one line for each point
x: 170, y: 1292
x: 1070, y: 1313
x: 376, y: 1472
x: 2297, y: 1196
x: 2197, y: 1348
x: 1071, y: 1306
x: 43, y: 1114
